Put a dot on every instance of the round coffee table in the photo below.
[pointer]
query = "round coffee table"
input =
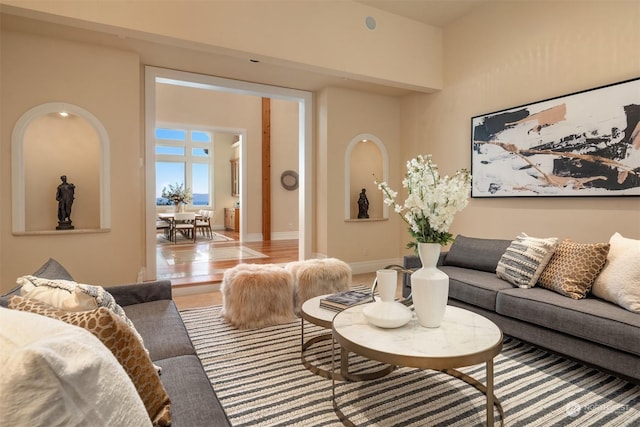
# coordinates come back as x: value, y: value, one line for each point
x: 313, y: 313
x: 463, y: 339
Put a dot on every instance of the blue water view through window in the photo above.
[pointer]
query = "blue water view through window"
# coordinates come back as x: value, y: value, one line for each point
x: 183, y: 156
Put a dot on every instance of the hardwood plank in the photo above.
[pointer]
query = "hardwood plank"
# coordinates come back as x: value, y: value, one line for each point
x: 187, y: 264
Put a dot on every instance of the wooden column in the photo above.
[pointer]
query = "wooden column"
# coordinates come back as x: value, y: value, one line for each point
x: 266, y: 169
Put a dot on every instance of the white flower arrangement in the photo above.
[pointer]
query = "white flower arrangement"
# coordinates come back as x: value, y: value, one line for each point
x: 177, y: 193
x: 432, y: 200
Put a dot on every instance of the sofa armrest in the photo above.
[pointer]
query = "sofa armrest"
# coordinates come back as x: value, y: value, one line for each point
x: 141, y: 292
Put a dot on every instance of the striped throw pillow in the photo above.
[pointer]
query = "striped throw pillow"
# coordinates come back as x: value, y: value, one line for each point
x: 525, y: 259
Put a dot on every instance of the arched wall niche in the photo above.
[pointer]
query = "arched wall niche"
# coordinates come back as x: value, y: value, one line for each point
x: 366, y: 159
x: 45, y: 146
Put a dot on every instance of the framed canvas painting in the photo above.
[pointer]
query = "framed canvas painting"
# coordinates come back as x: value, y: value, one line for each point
x: 583, y: 144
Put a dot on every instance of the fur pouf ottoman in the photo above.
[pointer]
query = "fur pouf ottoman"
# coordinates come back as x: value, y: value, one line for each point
x: 314, y: 277
x: 257, y: 295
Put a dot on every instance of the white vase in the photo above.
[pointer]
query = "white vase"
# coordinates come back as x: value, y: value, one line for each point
x: 429, y: 287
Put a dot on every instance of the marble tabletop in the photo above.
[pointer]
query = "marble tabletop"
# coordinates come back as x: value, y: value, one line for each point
x: 464, y: 338
x: 317, y: 315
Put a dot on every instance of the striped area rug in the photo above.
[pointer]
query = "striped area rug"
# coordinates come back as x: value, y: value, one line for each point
x: 260, y: 381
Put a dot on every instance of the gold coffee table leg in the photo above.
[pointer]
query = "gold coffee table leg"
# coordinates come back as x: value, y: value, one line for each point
x: 487, y: 390
x: 344, y: 374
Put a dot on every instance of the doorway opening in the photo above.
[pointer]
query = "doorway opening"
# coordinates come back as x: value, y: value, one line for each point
x: 155, y: 76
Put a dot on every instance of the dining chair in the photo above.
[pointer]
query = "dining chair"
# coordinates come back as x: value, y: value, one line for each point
x: 185, y: 223
x: 165, y: 227
x: 203, y: 223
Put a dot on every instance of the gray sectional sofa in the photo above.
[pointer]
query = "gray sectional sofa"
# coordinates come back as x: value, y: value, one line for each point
x: 590, y: 330
x: 155, y: 316
x: 151, y: 309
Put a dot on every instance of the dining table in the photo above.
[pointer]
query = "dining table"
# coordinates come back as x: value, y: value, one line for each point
x: 169, y: 217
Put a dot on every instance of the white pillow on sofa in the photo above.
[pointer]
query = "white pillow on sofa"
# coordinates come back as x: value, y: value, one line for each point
x: 619, y: 280
x: 60, y: 293
x: 58, y: 374
x: 71, y: 296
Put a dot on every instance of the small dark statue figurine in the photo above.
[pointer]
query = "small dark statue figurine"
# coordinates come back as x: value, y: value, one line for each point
x: 363, y: 205
x: 65, y: 196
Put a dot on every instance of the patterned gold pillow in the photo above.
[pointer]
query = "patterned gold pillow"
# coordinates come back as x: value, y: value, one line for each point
x: 574, y: 267
x: 118, y: 337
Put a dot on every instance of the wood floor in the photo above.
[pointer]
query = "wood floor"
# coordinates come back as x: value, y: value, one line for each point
x: 193, y: 270
x: 196, y: 270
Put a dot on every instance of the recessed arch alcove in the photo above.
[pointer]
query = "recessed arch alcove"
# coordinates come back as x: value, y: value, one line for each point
x: 366, y: 159
x: 51, y: 140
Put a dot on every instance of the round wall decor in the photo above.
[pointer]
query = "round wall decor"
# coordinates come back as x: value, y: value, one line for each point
x: 289, y: 180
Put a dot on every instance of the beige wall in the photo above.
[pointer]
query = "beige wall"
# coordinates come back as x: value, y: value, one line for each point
x: 503, y: 55
x: 365, y: 162
x: 513, y: 53
x: 342, y: 115
x: 329, y: 35
x: 55, y: 146
x: 235, y: 112
x: 105, y: 82
x: 179, y: 104
x: 284, y: 156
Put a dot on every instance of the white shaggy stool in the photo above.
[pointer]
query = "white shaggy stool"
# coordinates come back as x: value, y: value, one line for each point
x: 257, y: 295
x: 314, y: 277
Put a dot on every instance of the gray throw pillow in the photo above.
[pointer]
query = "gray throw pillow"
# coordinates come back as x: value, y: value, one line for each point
x: 476, y: 253
x: 52, y: 269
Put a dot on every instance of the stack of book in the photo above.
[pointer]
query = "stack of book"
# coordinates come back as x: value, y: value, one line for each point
x: 341, y: 300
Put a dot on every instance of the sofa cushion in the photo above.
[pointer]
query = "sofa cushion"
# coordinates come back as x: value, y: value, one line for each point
x: 59, y: 374
x: 573, y: 268
x: 120, y: 339
x: 475, y: 253
x: 160, y: 324
x: 474, y: 287
x: 591, y: 319
x: 619, y: 280
x: 525, y: 259
x: 193, y: 401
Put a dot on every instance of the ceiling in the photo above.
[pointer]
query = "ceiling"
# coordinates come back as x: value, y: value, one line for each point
x: 189, y: 58
x: 433, y: 12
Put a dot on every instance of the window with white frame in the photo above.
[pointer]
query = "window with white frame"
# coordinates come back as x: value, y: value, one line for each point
x: 184, y: 156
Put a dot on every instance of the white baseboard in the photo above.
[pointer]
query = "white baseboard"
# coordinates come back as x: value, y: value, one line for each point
x: 366, y: 266
x: 280, y: 235
x: 285, y: 235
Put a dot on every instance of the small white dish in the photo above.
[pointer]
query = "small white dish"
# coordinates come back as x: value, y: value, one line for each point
x: 387, y: 314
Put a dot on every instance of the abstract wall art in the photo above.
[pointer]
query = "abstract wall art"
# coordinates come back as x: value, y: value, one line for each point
x: 582, y: 144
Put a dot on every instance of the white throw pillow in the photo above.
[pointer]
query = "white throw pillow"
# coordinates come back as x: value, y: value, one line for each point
x: 59, y: 293
x: 619, y: 280
x: 56, y: 374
